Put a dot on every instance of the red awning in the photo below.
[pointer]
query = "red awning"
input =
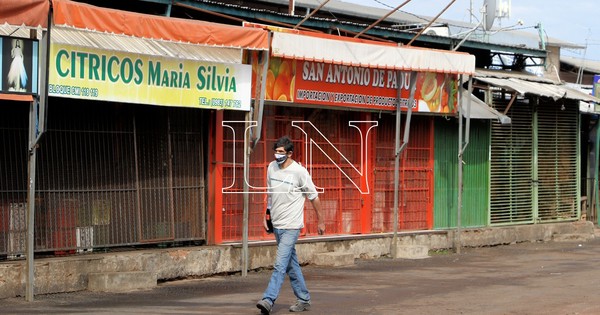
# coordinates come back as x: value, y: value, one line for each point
x: 24, y: 12
x: 85, y: 16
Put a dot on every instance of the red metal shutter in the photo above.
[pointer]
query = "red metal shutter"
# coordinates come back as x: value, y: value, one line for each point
x: 416, y: 176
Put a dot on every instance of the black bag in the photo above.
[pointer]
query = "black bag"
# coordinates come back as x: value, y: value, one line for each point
x: 269, y: 222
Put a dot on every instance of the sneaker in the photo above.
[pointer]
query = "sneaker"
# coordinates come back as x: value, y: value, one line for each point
x: 264, y: 306
x: 300, y: 307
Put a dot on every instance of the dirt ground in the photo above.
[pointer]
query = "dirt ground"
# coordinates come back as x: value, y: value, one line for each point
x: 526, y: 278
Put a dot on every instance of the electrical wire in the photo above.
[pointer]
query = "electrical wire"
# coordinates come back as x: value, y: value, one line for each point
x: 383, y: 4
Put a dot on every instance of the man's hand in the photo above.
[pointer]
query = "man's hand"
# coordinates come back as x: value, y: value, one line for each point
x: 267, y: 222
x: 321, y: 227
x: 321, y: 224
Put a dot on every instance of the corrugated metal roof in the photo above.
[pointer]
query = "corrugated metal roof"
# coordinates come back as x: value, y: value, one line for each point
x: 529, y: 84
x: 588, y: 65
x: 506, y: 37
x: 18, y: 31
x: 510, y: 39
x: 352, y: 9
x: 579, y: 95
x: 526, y: 87
x: 481, y: 110
x: 152, y: 47
x: 501, y: 74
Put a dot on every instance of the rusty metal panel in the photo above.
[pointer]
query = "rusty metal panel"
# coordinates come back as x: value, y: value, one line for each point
x: 154, y: 169
x: 188, y: 173
x: 558, y: 150
x: 86, y: 177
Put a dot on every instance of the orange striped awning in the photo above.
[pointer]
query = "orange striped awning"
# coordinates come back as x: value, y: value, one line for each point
x: 24, y: 12
x: 85, y: 16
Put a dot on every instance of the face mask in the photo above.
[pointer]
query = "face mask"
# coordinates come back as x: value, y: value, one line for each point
x: 280, y: 158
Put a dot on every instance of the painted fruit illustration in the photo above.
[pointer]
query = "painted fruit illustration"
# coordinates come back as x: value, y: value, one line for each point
x: 269, y: 85
x: 280, y: 78
x: 430, y: 92
x: 450, y: 104
x: 429, y: 87
x: 281, y: 88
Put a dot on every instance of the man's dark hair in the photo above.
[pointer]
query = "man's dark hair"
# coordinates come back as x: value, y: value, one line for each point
x: 284, y: 142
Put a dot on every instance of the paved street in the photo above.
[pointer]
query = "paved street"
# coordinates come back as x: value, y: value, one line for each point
x: 527, y: 278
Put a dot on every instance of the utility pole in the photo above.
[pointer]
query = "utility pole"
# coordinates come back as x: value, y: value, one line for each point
x: 471, y: 12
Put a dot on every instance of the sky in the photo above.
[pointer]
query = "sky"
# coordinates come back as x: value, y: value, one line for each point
x: 573, y: 21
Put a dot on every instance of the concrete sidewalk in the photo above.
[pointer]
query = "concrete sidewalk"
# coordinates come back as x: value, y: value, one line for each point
x: 525, y: 278
x: 122, y: 271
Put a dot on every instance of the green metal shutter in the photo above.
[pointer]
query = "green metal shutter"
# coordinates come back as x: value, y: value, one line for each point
x: 445, y: 173
x: 511, y: 166
x: 476, y: 176
x: 557, y: 161
x: 475, y: 179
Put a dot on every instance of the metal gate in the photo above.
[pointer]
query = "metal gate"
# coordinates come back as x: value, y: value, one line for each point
x: 108, y: 175
x: 535, y: 163
x: 341, y: 200
x: 416, y: 176
x: 13, y: 177
x: 558, y: 161
x: 232, y: 165
x: 512, y: 173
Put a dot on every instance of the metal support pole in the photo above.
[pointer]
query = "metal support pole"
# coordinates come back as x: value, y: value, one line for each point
x: 169, y: 8
x: 247, y: 152
x: 468, y: 116
x: 462, y: 145
x: 400, y: 148
x: 259, y: 105
x: 394, y: 243
x: 253, y: 119
x: 37, y: 128
x: 29, y: 293
x: 595, y: 196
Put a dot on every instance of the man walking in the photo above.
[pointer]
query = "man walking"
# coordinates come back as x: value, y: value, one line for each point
x: 288, y: 185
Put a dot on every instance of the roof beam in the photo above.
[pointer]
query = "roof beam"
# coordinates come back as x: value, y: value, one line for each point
x: 382, y: 18
x: 247, y: 13
x: 311, y: 14
x: 221, y: 15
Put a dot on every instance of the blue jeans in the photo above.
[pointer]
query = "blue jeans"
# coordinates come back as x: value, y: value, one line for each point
x: 286, y: 262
